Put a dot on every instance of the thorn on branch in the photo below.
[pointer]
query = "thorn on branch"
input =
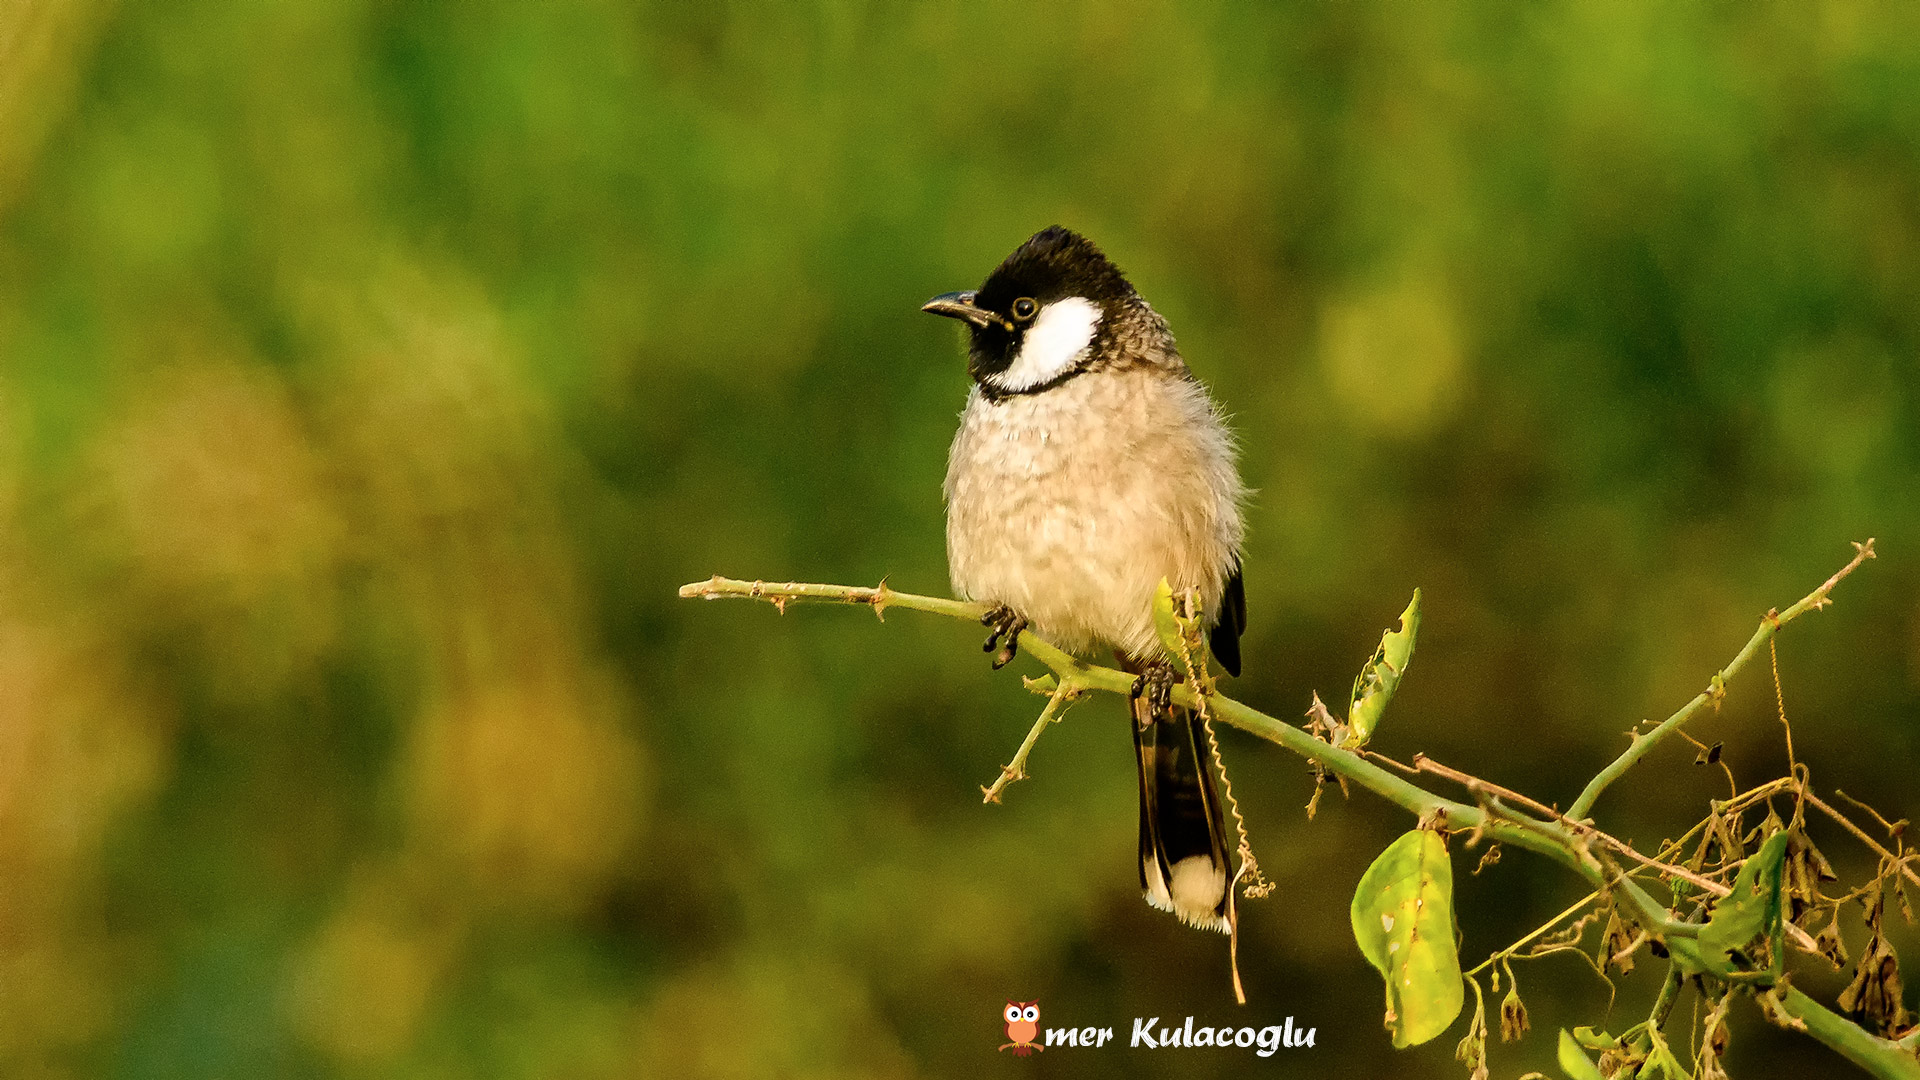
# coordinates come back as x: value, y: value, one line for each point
x: 1008, y: 774
x: 1862, y: 552
x: 1045, y: 685
x: 1774, y: 1009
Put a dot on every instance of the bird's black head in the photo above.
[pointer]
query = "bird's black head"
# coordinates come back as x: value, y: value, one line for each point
x: 1042, y: 315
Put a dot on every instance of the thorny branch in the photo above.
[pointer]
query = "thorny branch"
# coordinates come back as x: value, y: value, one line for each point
x: 1060, y: 695
x: 1716, y: 689
x: 1568, y: 838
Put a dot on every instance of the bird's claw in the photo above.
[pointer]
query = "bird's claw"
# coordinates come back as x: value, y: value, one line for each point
x: 1155, y: 683
x: 1006, y: 626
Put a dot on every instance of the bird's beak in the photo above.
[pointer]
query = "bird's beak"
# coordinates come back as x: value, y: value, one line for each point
x: 959, y: 305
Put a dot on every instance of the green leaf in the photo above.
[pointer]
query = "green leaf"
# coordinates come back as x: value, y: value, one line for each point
x: 1381, y: 677
x: 1164, y: 621
x: 1573, y: 1062
x: 1594, y: 1039
x: 1661, y: 1064
x: 1752, y: 909
x: 1403, y: 921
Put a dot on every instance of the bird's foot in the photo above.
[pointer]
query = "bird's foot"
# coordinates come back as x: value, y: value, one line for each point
x: 1155, y: 683
x: 1006, y: 626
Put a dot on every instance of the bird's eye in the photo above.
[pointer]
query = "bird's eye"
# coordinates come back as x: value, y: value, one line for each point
x: 1025, y: 308
x: 1013, y: 1013
x: 1031, y: 1012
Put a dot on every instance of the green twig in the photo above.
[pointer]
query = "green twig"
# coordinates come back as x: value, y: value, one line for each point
x: 1716, y: 687
x: 1551, y: 839
x: 1669, y: 993
x: 1083, y: 676
x: 1881, y: 1057
x: 1063, y: 695
x: 1514, y: 948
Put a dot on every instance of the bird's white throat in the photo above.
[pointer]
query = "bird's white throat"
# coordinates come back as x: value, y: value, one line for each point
x: 1056, y: 341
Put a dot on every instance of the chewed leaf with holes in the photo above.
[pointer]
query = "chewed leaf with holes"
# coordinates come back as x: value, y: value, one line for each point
x: 1403, y: 921
x: 1751, y: 910
x: 1381, y: 677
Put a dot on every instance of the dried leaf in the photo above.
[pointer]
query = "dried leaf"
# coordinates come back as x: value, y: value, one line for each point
x: 1621, y: 1064
x: 1616, y: 948
x: 1726, y: 834
x: 1711, y: 1068
x: 1875, y: 903
x: 1716, y: 1043
x: 1806, y: 869
x: 1874, y: 996
x: 1713, y: 1041
x: 1823, y: 868
x: 1829, y: 943
x: 1513, y: 1016
x: 1472, y: 1051
x: 1768, y: 826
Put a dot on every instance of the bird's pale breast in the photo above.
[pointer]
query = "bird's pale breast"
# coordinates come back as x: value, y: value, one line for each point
x: 1070, y: 505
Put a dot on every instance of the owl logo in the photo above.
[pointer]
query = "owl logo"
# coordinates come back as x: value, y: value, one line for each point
x: 1023, y: 1026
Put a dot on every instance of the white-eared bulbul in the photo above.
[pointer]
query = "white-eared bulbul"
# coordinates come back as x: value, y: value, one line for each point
x: 1089, y: 465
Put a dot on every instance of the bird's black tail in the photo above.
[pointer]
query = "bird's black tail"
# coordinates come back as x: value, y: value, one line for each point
x: 1183, y: 837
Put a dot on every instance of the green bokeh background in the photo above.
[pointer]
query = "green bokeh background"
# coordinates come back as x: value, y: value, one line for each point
x: 372, y: 373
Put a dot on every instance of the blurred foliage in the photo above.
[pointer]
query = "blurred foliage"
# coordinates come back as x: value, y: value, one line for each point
x: 371, y: 373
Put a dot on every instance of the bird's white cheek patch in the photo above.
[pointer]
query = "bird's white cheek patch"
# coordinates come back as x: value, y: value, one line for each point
x: 1052, y: 345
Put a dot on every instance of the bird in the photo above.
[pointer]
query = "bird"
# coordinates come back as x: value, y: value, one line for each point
x: 1089, y: 465
x: 1023, y: 1027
